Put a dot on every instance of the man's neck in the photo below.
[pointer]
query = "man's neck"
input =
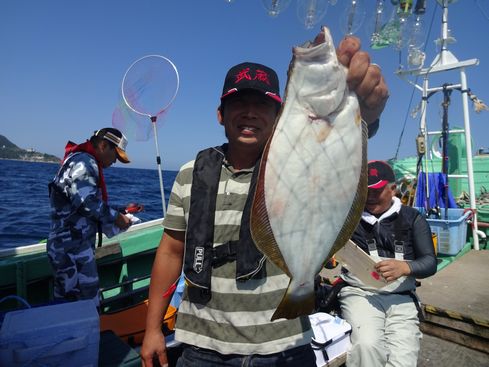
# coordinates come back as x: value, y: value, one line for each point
x: 242, y: 159
x: 378, y: 215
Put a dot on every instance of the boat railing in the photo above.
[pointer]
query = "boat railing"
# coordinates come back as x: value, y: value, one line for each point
x: 41, y: 246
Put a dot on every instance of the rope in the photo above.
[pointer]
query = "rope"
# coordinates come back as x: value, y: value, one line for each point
x: 18, y: 299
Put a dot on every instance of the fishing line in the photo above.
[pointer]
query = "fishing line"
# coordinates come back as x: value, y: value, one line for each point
x: 413, y: 90
x: 405, y: 122
x: 486, y: 15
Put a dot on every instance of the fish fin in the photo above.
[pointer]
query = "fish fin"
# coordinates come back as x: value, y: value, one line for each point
x: 293, y: 307
x: 260, y: 228
x: 355, y: 213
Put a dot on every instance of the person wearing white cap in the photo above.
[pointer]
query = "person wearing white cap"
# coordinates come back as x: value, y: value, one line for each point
x: 80, y: 210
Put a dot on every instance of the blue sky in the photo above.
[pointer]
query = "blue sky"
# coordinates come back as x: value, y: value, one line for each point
x: 62, y: 64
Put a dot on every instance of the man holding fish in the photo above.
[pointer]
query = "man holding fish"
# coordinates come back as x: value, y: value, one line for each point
x: 231, y: 242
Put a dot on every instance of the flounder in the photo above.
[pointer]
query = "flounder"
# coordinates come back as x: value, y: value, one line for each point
x: 312, y: 182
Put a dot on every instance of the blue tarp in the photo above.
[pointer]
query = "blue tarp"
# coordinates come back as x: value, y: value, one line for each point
x: 436, y: 185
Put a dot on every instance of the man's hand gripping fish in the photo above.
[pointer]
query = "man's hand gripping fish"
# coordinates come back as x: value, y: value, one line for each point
x: 312, y: 183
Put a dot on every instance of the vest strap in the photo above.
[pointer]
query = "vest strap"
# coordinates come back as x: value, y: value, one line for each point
x: 399, y: 237
x: 224, y: 253
x: 399, y: 250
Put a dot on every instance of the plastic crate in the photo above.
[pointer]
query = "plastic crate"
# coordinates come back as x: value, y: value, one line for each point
x: 451, y: 232
x: 64, y: 334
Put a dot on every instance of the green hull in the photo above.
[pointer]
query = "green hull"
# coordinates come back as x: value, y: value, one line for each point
x: 124, y: 265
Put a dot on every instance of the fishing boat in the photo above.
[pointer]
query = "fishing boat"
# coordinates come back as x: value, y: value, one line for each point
x: 125, y: 261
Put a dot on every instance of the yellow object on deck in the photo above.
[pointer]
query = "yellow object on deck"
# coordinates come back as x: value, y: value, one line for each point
x: 435, y: 241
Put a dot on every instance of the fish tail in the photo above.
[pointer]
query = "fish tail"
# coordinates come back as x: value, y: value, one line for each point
x: 293, y: 306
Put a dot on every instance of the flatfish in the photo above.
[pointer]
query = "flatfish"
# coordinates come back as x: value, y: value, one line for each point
x: 312, y: 182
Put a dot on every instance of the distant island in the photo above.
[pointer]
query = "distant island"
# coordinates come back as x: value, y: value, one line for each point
x: 9, y: 150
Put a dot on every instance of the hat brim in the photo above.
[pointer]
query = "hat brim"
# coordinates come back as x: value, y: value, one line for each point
x: 378, y: 185
x: 121, y: 155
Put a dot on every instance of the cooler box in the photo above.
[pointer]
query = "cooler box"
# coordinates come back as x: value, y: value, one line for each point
x: 451, y: 232
x: 115, y: 353
x: 331, y: 337
x: 64, y: 334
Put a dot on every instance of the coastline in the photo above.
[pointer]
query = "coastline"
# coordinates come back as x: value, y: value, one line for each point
x: 31, y: 160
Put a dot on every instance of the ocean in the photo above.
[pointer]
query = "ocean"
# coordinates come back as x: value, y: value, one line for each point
x: 24, y: 201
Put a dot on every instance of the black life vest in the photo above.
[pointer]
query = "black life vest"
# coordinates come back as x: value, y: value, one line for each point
x: 200, y: 254
x: 391, y: 235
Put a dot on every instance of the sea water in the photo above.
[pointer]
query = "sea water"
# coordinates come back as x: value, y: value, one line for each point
x: 24, y: 200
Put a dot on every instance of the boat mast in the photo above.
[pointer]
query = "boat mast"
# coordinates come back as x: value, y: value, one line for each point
x: 443, y: 62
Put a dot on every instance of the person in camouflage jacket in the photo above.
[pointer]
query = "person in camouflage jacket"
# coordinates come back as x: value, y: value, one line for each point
x: 79, y: 210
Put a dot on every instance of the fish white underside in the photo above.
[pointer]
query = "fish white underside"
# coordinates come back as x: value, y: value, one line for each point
x: 314, y: 163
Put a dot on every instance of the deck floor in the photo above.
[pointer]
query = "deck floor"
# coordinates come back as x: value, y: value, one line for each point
x: 438, y: 352
x: 462, y: 286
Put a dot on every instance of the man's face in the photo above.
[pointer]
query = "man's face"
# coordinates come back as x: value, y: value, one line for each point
x: 248, y: 118
x: 107, y: 153
x: 379, y: 200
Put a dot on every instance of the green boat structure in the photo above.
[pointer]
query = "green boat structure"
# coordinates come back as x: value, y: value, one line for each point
x: 124, y: 265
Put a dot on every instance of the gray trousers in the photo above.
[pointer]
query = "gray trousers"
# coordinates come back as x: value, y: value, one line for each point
x: 385, y: 328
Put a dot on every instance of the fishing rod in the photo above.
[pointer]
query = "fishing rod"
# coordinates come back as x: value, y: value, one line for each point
x: 445, y: 133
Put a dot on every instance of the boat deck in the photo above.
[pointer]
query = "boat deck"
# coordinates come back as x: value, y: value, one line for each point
x: 456, y: 302
x: 461, y: 287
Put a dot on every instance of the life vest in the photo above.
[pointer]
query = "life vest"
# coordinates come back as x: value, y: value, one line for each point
x: 390, y: 238
x: 200, y: 254
x: 87, y: 147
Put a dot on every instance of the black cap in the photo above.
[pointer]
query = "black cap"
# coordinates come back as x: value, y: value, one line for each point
x: 118, y: 139
x: 249, y: 75
x: 379, y: 174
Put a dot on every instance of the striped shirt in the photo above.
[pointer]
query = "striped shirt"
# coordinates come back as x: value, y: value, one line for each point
x: 237, y: 318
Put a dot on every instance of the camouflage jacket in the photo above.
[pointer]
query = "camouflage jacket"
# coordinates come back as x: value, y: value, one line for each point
x: 76, y: 202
